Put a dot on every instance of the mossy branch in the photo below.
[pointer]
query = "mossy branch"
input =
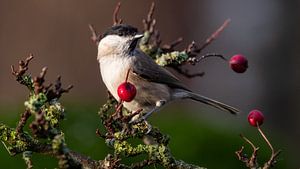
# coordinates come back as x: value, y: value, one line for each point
x: 45, y: 136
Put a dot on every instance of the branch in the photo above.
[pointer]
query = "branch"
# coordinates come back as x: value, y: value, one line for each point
x: 22, y: 122
x: 19, y: 74
x: 252, y: 161
x: 167, y: 55
x: 23, y: 67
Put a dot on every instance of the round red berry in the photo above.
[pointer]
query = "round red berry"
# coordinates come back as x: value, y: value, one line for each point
x: 255, y: 117
x: 126, y: 91
x: 238, y: 63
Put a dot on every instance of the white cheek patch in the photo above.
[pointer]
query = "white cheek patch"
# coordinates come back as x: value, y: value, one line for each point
x: 112, y: 45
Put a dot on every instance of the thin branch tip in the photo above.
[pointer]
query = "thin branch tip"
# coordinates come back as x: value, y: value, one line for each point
x: 116, y: 20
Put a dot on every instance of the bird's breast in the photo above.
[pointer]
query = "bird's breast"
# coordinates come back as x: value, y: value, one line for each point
x: 113, y: 71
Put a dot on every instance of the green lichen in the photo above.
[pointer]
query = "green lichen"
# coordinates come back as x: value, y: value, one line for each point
x: 27, y: 158
x: 27, y: 81
x: 54, y: 113
x: 126, y: 149
x: 13, y: 142
x: 58, y: 143
x: 160, y: 57
x: 148, y: 48
x: 119, y: 135
x: 36, y: 102
x: 172, y: 58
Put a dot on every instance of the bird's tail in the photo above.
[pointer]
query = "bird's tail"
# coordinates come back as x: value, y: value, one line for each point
x: 211, y: 102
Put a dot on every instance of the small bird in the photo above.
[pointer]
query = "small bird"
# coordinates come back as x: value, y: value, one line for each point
x: 156, y: 86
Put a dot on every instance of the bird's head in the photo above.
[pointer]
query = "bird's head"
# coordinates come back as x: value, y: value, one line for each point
x: 118, y: 39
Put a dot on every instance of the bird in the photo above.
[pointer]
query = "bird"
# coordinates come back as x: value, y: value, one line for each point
x: 118, y: 52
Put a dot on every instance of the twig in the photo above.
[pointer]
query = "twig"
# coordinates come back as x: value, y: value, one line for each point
x: 23, y: 67
x: 252, y: 162
x: 170, y: 47
x: 22, y: 122
x: 95, y: 37
x: 116, y: 20
x: 149, y: 22
x: 58, y: 90
x: 213, y: 36
x: 38, y: 82
x: 194, y: 60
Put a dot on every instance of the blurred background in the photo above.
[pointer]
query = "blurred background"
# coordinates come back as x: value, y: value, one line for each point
x: 266, y: 32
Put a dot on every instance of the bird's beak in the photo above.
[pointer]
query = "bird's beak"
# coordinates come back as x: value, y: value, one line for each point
x: 138, y: 36
x: 134, y: 41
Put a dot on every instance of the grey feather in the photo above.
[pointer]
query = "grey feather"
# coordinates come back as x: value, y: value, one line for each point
x: 147, y: 69
x: 214, y: 103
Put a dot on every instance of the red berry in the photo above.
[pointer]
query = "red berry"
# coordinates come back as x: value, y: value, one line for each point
x: 126, y: 91
x: 238, y: 63
x: 255, y: 117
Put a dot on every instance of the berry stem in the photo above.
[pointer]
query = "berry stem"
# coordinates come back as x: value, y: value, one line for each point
x: 127, y: 75
x: 265, y: 138
x: 211, y: 55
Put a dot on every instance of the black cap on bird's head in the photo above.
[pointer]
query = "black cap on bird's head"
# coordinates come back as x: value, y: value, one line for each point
x: 120, y: 37
x: 121, y: 30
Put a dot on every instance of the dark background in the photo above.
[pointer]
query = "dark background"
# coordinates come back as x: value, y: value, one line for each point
x: 267, y: 32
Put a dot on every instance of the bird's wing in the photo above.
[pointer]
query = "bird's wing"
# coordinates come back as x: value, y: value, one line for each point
x: 147, y: 69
